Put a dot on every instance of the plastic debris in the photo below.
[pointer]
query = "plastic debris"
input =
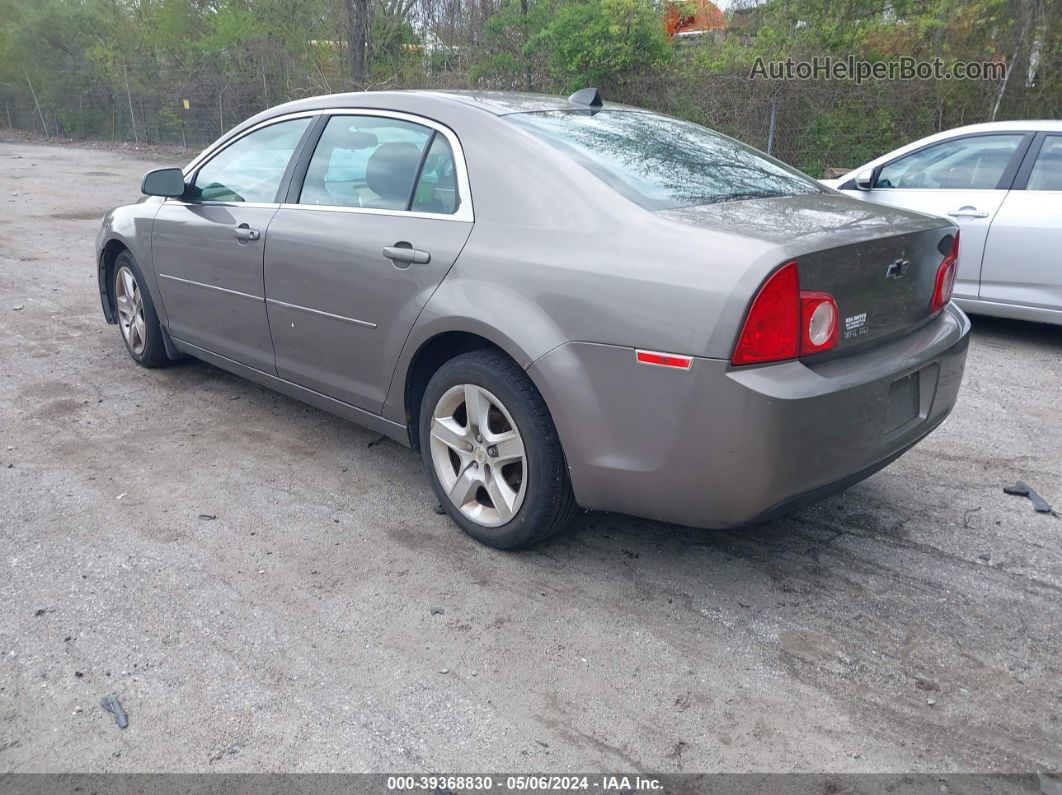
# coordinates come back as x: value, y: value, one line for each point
x: 1022, y: 489
x: 114, y: 706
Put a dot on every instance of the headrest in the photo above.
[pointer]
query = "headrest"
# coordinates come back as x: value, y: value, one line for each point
x: 389, y: 172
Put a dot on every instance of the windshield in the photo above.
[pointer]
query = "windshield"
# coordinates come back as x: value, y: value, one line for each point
x: 663, y: 163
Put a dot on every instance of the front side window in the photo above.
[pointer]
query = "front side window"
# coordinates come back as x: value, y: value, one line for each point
x: 974, y: 163
x: 1046, y: 172
x: 366, y: 161
x: 252, y: 168
x: 662, y: 163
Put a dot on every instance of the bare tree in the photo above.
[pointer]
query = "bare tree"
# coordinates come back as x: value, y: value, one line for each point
x: 357, y: 32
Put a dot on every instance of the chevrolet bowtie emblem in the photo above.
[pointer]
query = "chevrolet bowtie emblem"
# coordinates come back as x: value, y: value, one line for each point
x: 896, y: 269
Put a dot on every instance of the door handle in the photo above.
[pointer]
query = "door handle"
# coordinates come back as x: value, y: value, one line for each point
x: 968, y: 211
x: 405, y: 253
x: 245, y: 234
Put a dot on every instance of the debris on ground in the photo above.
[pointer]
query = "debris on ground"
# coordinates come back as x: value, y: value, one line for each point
x: 436, y: 611
x: 18, y: 307
x: 207, y: 517
x: 925, y: 683
x: 439, y: 509
x: 967, y: 514
x: 375, y: 442
x: 1022, y: 489
x: 231, y: 750
x: 114, y: 706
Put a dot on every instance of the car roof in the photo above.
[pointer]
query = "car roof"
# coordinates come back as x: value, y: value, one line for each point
x: 1039, y: 125
x: 502, y: 103
x: 498, y: 103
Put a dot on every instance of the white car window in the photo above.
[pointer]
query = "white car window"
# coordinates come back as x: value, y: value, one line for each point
x: 1046, y: 173
x: 972, y: 163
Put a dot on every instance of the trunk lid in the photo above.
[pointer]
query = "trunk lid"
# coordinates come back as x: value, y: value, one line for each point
x: 879, y: 263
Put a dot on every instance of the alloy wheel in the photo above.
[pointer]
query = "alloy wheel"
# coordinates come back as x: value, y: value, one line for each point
x: 130, y: 302
x: 478, y: 455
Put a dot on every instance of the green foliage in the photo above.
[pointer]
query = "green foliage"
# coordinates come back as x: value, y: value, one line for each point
x: 589, y: 42
x: 126, y: 67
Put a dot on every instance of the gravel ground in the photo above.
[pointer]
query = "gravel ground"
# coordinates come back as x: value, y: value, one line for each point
x: 328, y: 619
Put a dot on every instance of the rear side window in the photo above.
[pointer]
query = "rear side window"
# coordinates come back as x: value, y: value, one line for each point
x: 366, y: 161
x: 437, y: 187
x: 252, y: 168
x: 973, y: 163
x: 662, y: 163
x: 1046, y: 173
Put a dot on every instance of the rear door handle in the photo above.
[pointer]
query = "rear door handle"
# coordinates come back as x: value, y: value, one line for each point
x: 245, y: 234
x: 968, y: 211
x: 405, y: 253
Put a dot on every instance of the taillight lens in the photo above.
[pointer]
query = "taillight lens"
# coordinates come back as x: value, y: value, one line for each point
x: 785, y: 322
x: 772, y: 326
x: 946, y: 273
x: 818, y: 321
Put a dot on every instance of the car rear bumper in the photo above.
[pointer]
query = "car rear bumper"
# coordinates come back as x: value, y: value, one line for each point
x: 717, y: 446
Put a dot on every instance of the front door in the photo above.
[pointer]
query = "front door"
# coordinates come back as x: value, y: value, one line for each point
x: 370, y: 230
x: 964, y: 180
x: 208, y: 246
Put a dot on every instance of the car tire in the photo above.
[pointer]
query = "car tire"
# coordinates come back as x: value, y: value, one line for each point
x: 523, y: 493
x: 135, y: 313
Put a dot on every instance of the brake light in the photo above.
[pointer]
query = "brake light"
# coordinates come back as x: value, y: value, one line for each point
x: 785, y: 322
x: 946, y: 274
x: 771, y: 330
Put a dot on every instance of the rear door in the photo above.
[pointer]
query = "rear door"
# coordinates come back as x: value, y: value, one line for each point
x: 963, y: 179
x: 1023, y: 263
x: 377, y: 212
x: 208, y: 246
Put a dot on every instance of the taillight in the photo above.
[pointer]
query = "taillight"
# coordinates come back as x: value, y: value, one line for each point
x: 946, y: 273
x: 818, y: 321
x: 771, y: 330
x: 785, y: 322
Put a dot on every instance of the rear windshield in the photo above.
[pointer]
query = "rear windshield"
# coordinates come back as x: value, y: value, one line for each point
x: 663, y: 163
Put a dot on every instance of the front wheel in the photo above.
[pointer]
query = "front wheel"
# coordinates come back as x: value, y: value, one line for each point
x: 495, y: 460
x: 137, y: 320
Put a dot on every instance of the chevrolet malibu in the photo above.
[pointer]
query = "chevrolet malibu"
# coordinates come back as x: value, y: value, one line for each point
x: 560, y: 303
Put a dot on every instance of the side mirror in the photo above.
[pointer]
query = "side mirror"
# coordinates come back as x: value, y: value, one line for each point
x: 167, y: 182
x: 864, y: 180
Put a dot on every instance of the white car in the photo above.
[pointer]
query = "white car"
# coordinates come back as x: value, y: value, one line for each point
x: 1002, y: 183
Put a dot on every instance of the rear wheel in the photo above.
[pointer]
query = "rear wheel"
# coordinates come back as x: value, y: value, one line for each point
x: 136, y: 315
x: 490, y: 445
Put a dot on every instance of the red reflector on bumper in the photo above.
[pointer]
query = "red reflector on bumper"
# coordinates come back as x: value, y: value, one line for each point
x: 665, y: 359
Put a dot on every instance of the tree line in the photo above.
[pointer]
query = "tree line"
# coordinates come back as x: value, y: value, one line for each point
x: 189, y: 68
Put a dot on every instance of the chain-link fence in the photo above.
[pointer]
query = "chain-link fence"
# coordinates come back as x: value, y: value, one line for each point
x: 817, y: 126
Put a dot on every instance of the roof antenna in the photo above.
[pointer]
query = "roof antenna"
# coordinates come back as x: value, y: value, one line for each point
x: 590, y: 97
